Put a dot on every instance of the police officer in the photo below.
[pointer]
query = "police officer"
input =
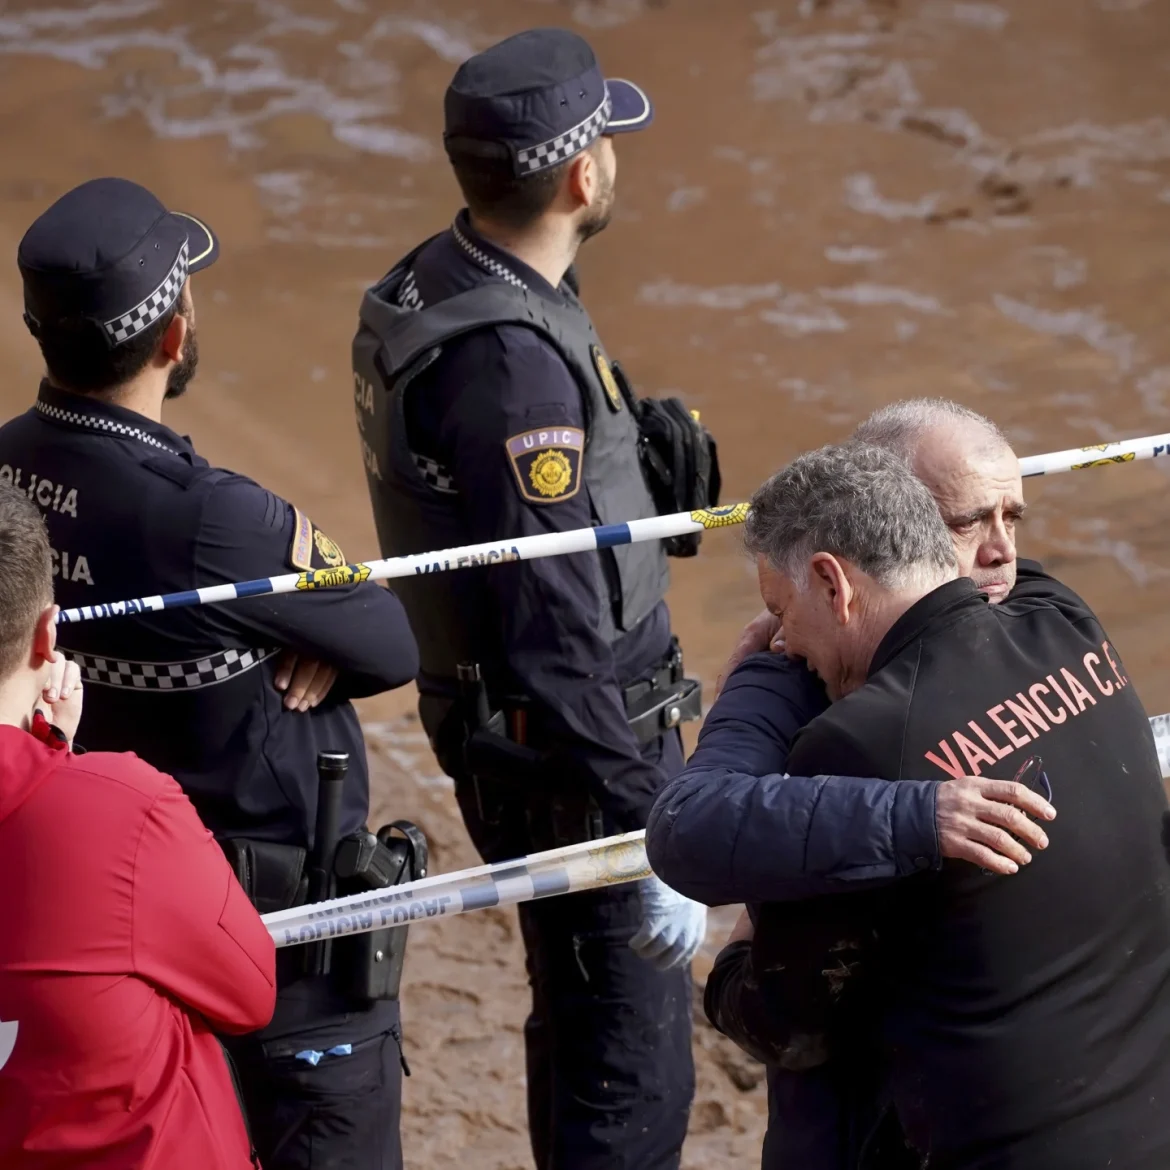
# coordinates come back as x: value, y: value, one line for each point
x: 551, y: 690
x: 234, y: 701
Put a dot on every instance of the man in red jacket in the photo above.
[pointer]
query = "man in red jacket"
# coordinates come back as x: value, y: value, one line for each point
x: 124, y: 937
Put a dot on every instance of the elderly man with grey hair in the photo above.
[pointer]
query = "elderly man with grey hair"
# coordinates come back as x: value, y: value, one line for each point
x: 826, y: 834
x: 1013, y: 1020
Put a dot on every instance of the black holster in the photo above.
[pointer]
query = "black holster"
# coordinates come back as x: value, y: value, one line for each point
x: 364, y: 967
x: 533, y: 799
x: 679, y: 457
x: 369, y: 966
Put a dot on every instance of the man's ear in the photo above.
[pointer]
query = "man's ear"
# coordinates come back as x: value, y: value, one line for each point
x: 174, y: 338
x: 44, y: 647
x: 829, y: 576
x: 581, y: 181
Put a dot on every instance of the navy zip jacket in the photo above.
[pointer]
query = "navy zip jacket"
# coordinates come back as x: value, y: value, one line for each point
x: 732, y: 827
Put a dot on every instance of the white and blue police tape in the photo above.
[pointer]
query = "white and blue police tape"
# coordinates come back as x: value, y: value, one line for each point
x: 523, y: 548
x: 1099, y: 455
x: 607, y: 862
x: 586, y: 866
x: 552, y: 544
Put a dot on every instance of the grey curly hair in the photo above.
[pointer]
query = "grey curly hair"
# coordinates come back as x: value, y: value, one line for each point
x: 856, y: 501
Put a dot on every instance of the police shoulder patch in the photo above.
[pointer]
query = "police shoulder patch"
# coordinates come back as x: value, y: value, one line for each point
x: 300, y: 553
x: 547, y: 463
x: 613, y: 392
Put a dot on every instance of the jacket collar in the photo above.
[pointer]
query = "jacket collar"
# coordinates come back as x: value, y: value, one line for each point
x: 25, y: 762
x: 86, y: 413
x: 944, y: 605
x: 494, y: 259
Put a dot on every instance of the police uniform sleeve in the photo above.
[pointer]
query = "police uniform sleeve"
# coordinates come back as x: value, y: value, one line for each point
x: 360, y: 629
x: 513, y: 483
x: 195, y: 934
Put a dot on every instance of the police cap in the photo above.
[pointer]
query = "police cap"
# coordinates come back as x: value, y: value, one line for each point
x: 110, y: 252
x: 541, y: 95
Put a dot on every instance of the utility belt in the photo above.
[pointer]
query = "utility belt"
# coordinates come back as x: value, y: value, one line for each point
x: 518, y: 779
x: 364, y: 967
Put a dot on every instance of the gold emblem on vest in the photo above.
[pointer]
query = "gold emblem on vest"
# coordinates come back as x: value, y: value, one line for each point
x: 551, y: 473
x: 612, y: 390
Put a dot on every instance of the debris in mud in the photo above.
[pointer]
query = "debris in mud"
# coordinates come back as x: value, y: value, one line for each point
x: 1007, y: 195
x: 933, y: 127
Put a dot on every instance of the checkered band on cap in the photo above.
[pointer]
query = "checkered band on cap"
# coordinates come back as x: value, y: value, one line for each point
x: 168, y: 676
x: 555, y: 151
x: 144, y: 315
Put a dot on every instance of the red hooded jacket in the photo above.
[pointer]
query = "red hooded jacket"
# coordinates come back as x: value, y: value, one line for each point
x: 124, y: 939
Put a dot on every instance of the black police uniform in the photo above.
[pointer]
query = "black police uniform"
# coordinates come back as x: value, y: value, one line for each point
x: 488, y: 410
x: 132, y: 509
x: 1024, y: 1021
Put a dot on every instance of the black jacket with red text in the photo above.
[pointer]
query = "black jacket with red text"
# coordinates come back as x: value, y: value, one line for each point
x: 1024, y: 1021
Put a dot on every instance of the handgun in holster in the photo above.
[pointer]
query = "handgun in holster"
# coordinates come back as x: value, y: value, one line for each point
x: 369, y: 966
x: 542, y: 791
x: 277, y: 876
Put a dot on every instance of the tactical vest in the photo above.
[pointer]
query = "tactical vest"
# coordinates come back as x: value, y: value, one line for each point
x: 415, y: 507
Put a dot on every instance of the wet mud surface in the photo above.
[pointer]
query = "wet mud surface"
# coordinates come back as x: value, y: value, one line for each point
x: 840, y: 204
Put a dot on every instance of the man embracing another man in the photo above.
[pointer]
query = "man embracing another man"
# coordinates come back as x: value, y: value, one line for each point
x: 1018, y: 1018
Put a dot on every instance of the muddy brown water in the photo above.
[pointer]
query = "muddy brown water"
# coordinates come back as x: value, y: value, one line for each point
x: 840, y: 204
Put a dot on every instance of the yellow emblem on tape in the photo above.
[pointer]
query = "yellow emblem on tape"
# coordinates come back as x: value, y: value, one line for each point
x: 551, y: 473
x: 609, y: 382
x: 724, y: 516
x: 327, y: 578
x: 1127, y: 457
x: 330, y: 553
x: 622, y: 861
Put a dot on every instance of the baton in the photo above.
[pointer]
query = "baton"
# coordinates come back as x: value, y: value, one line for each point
x: 552, y: 544
x: 331, y: 770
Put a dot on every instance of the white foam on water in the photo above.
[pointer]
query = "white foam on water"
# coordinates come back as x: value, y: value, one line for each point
x: 684, y: 197
x: 388, y: 140
x: 1147, y: 141
x: 987, y: 16
x: 1153, y: 388
x: 64, y: 18
x: 234, y: 93
x: 607, y: 13
x: 883, y: 294
x: 728, y: 296
x: 861, y: 194
x: 798, y: 316
x: 446, y: 43
x: 855, y: 254
x: 1086, y: 324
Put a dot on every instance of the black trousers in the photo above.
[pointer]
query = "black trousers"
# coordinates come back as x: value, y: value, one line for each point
x: 608, y: 1042
x: 322, y: 1084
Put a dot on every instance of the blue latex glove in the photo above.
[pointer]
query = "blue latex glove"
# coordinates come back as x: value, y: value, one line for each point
x: 673, y: 927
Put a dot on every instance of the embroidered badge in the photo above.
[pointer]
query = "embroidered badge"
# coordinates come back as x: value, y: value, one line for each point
x: 547, y: 463
x: 612, y: 390
x: 330, y: 553
x: 300, y: 553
